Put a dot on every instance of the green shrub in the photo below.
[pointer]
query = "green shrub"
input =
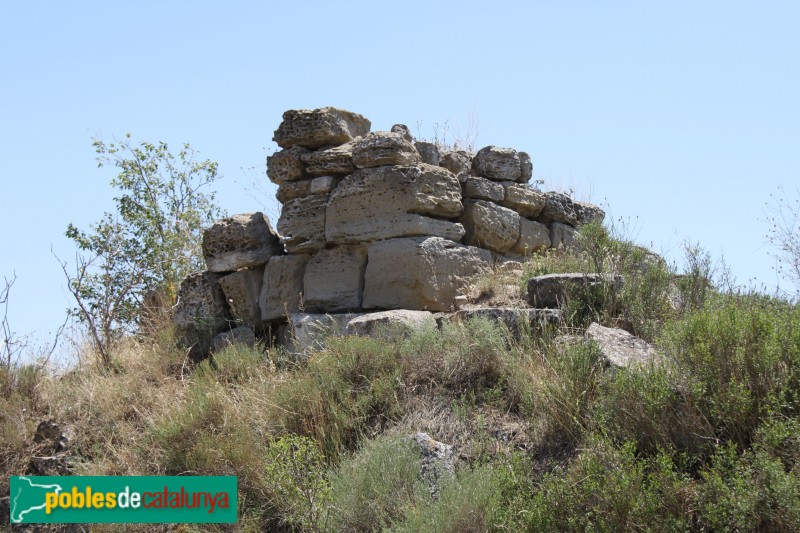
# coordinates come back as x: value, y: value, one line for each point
x: 350, y: 387
x: 467, y: 504
x: 656, y: 410
x: 376, y: 487
x: 744, y: 353
x: 748, y: 492
x: 467, y: 360
x: 608, y: 489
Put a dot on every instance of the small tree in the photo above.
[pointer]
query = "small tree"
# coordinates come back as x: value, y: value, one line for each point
x: 151, y: 243
x: 784, y: 234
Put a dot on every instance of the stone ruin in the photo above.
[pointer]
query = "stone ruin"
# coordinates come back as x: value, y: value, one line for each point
x: 370, y: 222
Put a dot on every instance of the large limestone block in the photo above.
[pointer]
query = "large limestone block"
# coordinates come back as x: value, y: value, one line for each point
x: 334, y: 279
x: 200, y: 313
x: 421, y: 273
x: 483, y: 189
x: 558, y: 207
x: 384, y: 148
x: 552, y: 291
x: 242, y: 290
x: 201, y: 303
x: 429, y: 152
x: 517, y: 320
x: 457, y: 162
x: 302, y: 224
x: 282, y: 286
x: 393, y: 201
x: 490, y: 226
x: 241, y: 336
x: 287, y: 165
x: 562, y: 236
x: 308, y: 333
x: 334, y: 161
x: 320, y: 127
x: 494, y: 163
x: 301, y: 189
x: 522, y: 199
x: 391, y: 324
x: 620, y: 348
x: 240, y: 241
x: 525, y: 167
x: 533, y: 236
x: 586, y: 212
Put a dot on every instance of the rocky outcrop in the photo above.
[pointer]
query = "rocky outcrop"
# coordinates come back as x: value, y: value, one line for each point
x: 370, y: 221
x: 620, y: 348
x: 438, y: 462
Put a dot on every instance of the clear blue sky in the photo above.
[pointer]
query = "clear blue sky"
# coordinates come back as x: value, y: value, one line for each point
x: 683, y: 114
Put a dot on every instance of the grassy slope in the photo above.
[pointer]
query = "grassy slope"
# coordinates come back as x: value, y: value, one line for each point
x: 549, y: 439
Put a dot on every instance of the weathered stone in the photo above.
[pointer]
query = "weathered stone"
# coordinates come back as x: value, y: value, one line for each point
x: 384, y: 148
x: 302, y: 224
x: 483, y: 189
x: 391, y: 201
x: 287, y: 165
x: 620, y: 348
x: 429, y: 152
x: 586, y: 212
x: 282, y: 286
x: 334, y: 279
x: 456, y: 162
x: 552, y: 291
x: 438, y: 462
x: 242, y: 290
x: 324, y: 184
x: 532, y: 237
x: 241, y: 336
x: 240, y: 241
x: 558, y: 207
x: 561, y: 235
x: 333, y: 161
x: 391, y: 324
x: 293, y: 189
x: 490, y: 226
x: 525, y: 167
x: 308, y: 332
x: 320, y: 127
x: 522, y: 199
x: 403, y: 130
x: 517, y: 320
x: 300, y: 189
x: 494, y: 163
x: 422, y: 273
x: 200, y: 312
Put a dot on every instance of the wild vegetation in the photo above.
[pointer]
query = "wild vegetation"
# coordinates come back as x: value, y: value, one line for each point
x: 548, y: 437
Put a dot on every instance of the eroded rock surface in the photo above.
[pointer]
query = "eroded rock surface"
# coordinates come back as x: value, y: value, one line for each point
x: 495, y: 163
x: 423, y: 273
x: 334, y: 279
x: 320, y: 127
x: 302, y: 224
x: 384, y: 148
x: 620, y: 348
x: 282, y: 286
x: 240, y: 241
x: 490, y: 226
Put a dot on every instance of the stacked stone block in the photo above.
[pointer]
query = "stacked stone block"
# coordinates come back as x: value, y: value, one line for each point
x: 375, y: 221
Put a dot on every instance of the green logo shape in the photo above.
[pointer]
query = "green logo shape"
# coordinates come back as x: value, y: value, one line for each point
x: 123, y: 499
